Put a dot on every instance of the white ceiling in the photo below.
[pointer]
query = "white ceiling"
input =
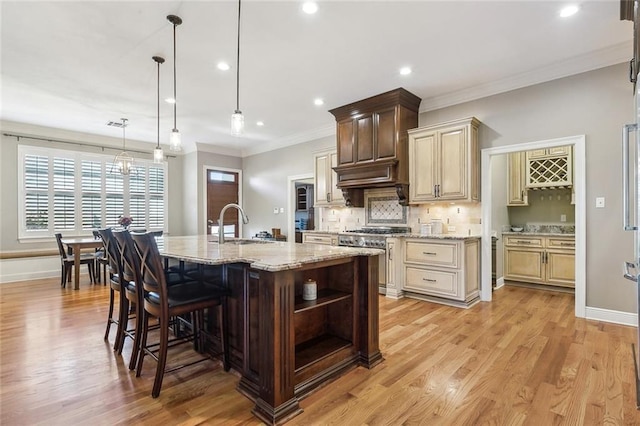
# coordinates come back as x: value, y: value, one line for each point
x: 77, y: 65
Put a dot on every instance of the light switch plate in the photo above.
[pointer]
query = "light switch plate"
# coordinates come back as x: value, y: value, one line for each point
x: 281, y: 209
x: 599, y: 202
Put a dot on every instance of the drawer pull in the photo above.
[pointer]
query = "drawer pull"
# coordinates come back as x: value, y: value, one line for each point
x: 523, y: 242
x: 567, y: 244
x: 429, y: 280
x: 429, y: 253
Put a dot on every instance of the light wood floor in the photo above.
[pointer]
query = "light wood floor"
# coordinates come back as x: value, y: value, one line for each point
x: 523, y: 359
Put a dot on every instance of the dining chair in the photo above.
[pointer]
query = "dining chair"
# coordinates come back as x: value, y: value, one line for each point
x: 115, y: 287
x: 163, y: 301
x: 67, y: 262
x: 101, y: 260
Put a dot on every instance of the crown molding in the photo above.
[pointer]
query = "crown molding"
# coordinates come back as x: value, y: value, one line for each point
x: 612, y: 55
x: 217, y: 149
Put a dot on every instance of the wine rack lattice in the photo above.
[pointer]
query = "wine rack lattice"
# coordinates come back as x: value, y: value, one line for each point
x: 549, y: 172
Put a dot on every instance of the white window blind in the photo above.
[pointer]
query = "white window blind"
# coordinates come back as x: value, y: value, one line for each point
x: 75, y: 193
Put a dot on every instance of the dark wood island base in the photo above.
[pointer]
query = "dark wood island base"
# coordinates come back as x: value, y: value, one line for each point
x: 285, y: 347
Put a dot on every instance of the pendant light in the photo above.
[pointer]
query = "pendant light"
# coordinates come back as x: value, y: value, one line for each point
x: 123, y: 161
x: 175, y: 140
x: 157, y: 153
x: 237, y: 119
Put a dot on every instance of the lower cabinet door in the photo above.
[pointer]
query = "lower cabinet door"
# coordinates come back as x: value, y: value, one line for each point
x: 523, y: 264
x: 432, y: 282
x: 561, y: 268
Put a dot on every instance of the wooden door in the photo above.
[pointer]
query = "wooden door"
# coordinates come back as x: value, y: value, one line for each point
x: 423, y: 170
x: 322, y: 189
x: 336, y: 193
x: 561, y: 268
x: 522, y: 264
x: 346, y: 142
x: 453, y: 163
x: 516, y: 176
x: 364, y: 138
x: 222, y: 189
x: 386, y: 134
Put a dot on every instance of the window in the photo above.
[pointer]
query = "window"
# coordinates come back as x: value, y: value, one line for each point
x: 75, y: 193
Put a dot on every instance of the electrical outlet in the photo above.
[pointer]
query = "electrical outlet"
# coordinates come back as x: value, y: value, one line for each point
x: 451, y: 228
x: 563, y: 218
x: 275, y: 210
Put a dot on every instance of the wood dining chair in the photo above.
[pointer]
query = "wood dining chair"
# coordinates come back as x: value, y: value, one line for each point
x: 115, y: 287
x: 163, y: 301
x: 67, y: 262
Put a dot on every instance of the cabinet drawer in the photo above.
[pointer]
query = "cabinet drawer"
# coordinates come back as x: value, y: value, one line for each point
x: 436, y: 283
x: 560, y: 242
x: 316, y: 239
x: 432, y: 253
x: 524, y: 241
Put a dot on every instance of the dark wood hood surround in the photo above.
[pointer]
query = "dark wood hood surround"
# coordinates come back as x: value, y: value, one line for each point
x: 372, y: 144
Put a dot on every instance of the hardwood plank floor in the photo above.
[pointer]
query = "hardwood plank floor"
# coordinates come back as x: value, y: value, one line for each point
x: 521, y: 360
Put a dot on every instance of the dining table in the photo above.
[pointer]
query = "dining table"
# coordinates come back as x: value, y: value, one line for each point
x: 77, y: 244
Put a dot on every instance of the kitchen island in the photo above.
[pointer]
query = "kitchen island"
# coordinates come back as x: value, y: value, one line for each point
x: 284, y: 347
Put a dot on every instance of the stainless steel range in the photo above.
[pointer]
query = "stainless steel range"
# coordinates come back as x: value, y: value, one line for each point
x: 374, y: 237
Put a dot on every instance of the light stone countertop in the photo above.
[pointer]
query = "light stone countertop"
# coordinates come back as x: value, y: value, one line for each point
x: 541, y: 234
x: 259, y: 254
x: 440, y: 236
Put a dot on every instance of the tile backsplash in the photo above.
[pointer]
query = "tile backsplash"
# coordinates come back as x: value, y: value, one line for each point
x: 382, y: 209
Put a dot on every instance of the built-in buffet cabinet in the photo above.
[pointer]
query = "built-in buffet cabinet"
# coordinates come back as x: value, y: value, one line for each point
x: 326, y: 193
x: 540, y: 259
x: 437, y: 269
x: 444, y: 163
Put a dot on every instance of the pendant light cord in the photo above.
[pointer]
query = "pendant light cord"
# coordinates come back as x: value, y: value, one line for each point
x: 175, y: 100
x: 158, y: 112
x: 238, y: 63
x: 124, y: 139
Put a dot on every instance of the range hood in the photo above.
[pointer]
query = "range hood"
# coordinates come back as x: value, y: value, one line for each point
x: 372, y: 144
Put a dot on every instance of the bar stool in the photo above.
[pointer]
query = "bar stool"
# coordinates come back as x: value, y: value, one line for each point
x: 163, y: 301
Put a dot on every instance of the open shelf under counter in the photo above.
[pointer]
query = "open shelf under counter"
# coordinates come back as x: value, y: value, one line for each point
x: 318, y: 348
x: 325, y: 296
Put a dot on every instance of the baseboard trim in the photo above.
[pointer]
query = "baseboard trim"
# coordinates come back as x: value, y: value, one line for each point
x: 30, y: 268
x: 499, y: 283
x: 607, y: 315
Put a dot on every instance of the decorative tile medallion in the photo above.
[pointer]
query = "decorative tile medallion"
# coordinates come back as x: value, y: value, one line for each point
x: 385, y: 210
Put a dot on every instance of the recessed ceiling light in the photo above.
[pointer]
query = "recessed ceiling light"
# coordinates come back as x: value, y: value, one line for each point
x: 405, y: 71
x: 310, y: 7
x: 170, y: 100
x: 223, y: 66
x: 260, y: 123
x: 318, y: 101
x: 570, y: 10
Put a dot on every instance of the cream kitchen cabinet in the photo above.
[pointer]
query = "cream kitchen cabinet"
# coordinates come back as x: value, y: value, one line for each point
x: 326, y: 193
x: 517, y: 180
x: 548, y: 260
x: 445, y: 271
x: 320, y: 238
x: 444, y: 162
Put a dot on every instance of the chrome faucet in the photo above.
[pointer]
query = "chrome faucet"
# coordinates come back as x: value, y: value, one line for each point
x: 245, y: 219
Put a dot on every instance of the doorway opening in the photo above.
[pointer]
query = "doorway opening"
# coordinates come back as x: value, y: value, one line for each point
x: 579, y: 186
x: 301, y: 211
x: 222, y: 187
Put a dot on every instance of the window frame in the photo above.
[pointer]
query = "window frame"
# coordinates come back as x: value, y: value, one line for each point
x: 78, y: 157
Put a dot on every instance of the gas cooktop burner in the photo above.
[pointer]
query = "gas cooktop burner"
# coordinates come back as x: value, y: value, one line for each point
x: 381, y: 230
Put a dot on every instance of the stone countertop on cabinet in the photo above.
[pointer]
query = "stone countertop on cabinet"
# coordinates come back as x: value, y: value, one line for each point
x: 438, y: 236
x: 540, y: 234
x: 317, y: 231
x: 259, y: 254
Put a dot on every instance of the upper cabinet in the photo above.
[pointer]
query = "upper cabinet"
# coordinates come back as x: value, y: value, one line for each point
x: 325, y: 191
x: 372, y: 143
x: 550, y: 167
x: 444, y: 162
x: 517, y: 179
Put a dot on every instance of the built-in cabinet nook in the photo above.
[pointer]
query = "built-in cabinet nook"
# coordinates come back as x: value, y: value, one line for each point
x: 539, y: 242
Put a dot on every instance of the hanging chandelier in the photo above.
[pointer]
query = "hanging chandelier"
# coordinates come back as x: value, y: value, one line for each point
x: 237, y: 119
x: 175, y: 140
x: 158, y: 154
x: 123, y: 162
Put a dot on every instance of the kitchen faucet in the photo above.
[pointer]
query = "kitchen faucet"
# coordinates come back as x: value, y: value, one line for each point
x: 245, y: 219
